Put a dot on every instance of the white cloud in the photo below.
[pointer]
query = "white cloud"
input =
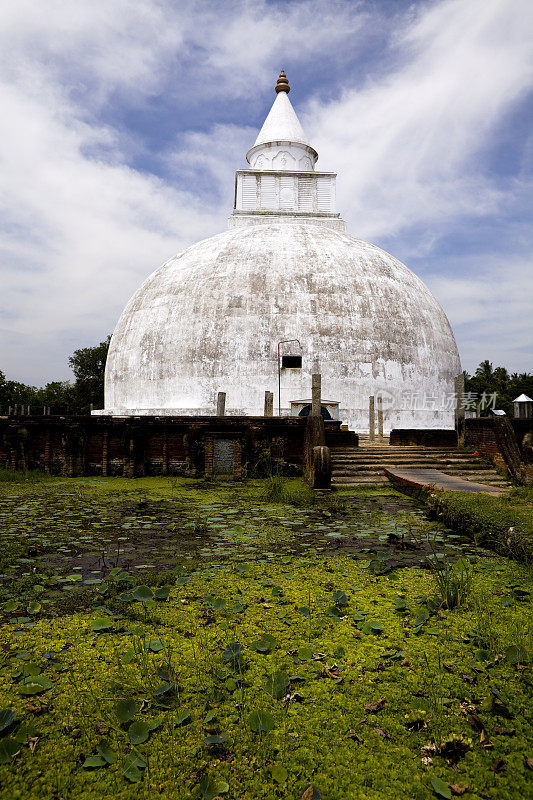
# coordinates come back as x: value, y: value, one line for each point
x: 490, y: 309
x: 82, y: 228
x: 79, y: 235
x: 89, y: 47
x: 254, y: 36
x: 405, y: 145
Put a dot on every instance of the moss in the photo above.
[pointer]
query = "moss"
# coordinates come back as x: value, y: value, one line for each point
x: 433, y: 674
x: 502, y: 522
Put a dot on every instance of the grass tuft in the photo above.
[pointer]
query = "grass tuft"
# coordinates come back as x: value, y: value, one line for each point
x: 24, y: 476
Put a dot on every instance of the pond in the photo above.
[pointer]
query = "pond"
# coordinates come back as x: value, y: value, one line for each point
x: 179, y: 638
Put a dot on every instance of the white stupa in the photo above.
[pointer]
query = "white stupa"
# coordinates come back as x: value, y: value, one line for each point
x: 212, y: 317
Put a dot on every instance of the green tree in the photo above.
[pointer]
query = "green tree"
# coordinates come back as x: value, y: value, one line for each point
x: 488, y: 381
x: 484, y: 371
x: 88, y: 366
x: 15, y: 393
x: 60, y: 396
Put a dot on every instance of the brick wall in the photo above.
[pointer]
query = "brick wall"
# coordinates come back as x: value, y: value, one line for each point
x: 480, y: 435
x: 425, y: 437
x: 137, y: 446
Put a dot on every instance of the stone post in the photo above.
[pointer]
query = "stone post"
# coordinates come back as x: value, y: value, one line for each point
x: 371, y: 419
x: 209, y: 454
x: 459, y: 407
x: 47, y: 452
x: 269, y: 404
x: 221, y: 404
x: 164, y: 460
x: 237, y: 460
x: 380, y: 418
x: 105, y: 456
x: 316, y: 394
x: 131, y: 458
x: 321, y: 470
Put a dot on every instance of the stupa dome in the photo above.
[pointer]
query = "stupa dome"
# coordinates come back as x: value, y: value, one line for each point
x: 212, y: 317
x: 210, y: 320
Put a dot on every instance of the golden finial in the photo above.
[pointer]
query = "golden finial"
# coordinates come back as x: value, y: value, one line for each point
x: 283, y: 84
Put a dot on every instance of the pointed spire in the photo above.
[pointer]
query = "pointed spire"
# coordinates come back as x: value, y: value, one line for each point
x: 283, y: 84
x: 281, y: 124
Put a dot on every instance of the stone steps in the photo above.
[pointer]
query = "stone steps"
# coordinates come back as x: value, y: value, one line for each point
x: 418, y: 457
x: 353, y: 466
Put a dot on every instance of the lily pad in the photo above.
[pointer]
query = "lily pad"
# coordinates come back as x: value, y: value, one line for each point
x: 35, y: 684
x: 138, y: 732
x: 183, y: 717
x: 125, y: 710
x: 440, y: 788
x: 143, y: 594
x: 340, y: 598
x: 105, y: 752
x: 94, y: 762
x: 215, y: 739
x: 7, y: 715
x: 265, y: 644
x: 515, y: 654
x: 101, y: 624
x: 261, y: 721
x: 211, y: 788
x: 156, y: 645
x: 162, y: 593
x: 8, y: 749
x: 277, y: 684
x: 233, y: 652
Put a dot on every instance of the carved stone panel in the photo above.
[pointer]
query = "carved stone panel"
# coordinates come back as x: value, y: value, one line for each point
x: 223, y: 456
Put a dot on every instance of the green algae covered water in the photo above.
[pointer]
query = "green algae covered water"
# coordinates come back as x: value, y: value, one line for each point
x: 180, y: 639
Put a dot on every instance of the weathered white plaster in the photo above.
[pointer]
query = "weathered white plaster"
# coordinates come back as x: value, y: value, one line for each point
x: 209, y: 320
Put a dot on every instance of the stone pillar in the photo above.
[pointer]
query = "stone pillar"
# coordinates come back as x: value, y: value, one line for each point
x: 221, y: 404
x: 47, y: 450
x: 164, y: 466
x: 209, y: 453
x: 22, y: 450
x: 237, y: 460
x: 380, y: 418
x: 316, y: 394
x: 321, y: 468
x: 130, y: 469
x: 269, y: 404
x: 371, y: 419
x: 459, y: 407
x: 105, y: 457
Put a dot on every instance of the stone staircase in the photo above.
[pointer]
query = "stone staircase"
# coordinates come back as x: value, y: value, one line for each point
x: 354, y: 466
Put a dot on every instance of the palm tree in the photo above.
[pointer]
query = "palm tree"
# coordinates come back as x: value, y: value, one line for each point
x: 484, y: 370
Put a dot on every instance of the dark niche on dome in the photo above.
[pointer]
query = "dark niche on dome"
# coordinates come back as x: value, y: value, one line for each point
x: 291, y: 362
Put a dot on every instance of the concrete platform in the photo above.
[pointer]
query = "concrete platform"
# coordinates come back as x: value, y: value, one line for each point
x: 418, y: 478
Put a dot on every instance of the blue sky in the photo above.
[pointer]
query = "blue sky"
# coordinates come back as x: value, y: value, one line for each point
x: 124, y: 120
